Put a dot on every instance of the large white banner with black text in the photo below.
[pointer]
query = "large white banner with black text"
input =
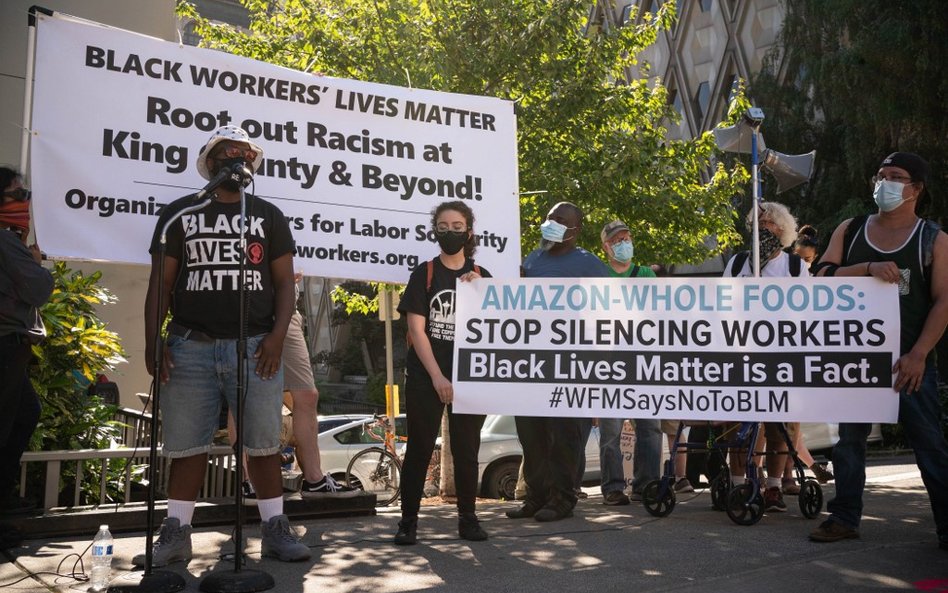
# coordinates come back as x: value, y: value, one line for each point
x: 118, y: 119
x: 815, y: 350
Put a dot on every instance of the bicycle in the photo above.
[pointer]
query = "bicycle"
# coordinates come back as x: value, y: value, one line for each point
x: 377, y: 470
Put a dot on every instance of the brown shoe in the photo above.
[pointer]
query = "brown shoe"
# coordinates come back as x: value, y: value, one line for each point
x: 822, y: 474
x: 831, y: 531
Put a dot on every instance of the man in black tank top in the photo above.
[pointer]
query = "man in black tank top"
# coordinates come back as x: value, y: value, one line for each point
x: 896, y: 246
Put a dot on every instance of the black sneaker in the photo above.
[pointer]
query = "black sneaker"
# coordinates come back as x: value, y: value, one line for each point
x: 469, y: 528
x: 327, y: 488
x: 250, y: 495
x: 407, y: 533
x: 10, y: 536
x: 527, y: 510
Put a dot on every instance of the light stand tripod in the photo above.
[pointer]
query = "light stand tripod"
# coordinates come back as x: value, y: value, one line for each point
x: 160, y: 581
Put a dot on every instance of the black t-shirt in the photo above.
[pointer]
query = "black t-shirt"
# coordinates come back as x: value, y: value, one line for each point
x: 206, y: 244
x: 437, y: 305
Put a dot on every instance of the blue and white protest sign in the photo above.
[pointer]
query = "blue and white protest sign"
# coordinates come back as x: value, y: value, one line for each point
x: 785, y: 349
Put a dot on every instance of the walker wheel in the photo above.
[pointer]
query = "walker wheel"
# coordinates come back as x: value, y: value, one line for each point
x: 745, y: 505
x: 811, y: 499
x: 658, y: 501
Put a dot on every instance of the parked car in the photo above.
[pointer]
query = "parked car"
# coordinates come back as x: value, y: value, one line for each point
x: 339, y: 444
x: 500, y: 455
x: 342, y: 436
x: 330, y: 421
x: 820, y: 437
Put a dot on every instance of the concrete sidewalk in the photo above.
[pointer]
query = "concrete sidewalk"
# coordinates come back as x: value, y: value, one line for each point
x: 602, y: 548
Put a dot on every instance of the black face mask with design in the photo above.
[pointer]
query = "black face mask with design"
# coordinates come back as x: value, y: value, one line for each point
x: 769, y: 244
x: 231, y: 184
x: 451, y: 242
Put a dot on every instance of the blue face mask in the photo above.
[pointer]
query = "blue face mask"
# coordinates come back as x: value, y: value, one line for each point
x: 553, y: 231
x: 888, y: 195
x: 622, y: 252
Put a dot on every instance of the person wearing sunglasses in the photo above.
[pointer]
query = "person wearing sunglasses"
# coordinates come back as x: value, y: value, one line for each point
x: 201, y: 287
x: 25, y: 285
x: 896, y: 246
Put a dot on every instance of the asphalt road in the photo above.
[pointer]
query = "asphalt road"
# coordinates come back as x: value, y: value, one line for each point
x: 601, y: 548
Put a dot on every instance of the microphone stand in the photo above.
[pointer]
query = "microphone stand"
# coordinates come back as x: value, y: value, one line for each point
x: 158, y: 581
x: 240, y: 580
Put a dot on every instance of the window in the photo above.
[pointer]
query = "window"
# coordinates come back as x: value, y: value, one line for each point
x: 701, y: 100
x: 706, y: 5
x: 626, y: 14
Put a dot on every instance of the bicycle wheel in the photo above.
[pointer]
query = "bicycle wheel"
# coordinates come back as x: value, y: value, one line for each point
x: 378, y: 472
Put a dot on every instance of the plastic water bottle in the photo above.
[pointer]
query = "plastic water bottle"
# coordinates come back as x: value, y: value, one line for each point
x: 101, y: 559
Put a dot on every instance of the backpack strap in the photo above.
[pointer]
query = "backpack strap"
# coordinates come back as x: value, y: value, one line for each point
x: 796, y: 264
x: 430, y: 275
x: 739, y: 260
x: 849, y: 236
x: 635, y: 271
x: 930, y: 232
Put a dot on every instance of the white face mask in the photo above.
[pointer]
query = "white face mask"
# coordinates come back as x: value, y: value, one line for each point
x: 553, y: 231
x: 888, y: 195
x: 622, y: 252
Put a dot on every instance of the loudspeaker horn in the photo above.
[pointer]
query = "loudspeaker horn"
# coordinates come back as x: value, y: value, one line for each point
x: 790, y: 170
x: 737, y: 138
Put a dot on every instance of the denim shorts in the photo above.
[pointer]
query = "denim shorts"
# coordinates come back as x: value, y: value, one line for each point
x: 204, y: 373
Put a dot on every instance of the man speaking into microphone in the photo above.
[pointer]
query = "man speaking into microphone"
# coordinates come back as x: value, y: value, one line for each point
x: 200, y: 283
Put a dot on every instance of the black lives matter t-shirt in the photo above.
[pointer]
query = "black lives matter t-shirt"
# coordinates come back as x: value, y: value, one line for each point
x: 206, y: 244
x: 437, y: 305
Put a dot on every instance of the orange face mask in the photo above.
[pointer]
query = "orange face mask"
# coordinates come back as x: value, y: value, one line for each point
x: 16, y: 215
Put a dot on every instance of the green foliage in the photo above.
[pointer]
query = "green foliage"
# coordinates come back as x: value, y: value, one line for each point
x: 584, y: 134
x: 78, y: 347
x: 856, y: 80
x: 356, y: 304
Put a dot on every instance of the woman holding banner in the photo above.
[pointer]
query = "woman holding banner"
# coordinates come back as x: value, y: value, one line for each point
x: 429, y: 305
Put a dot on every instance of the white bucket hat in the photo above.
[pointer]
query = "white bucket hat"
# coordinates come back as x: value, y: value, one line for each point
x: 226, y: 133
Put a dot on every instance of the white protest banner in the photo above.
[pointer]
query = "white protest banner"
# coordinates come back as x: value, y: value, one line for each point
x: 119, y: 118
x: 684, y: 349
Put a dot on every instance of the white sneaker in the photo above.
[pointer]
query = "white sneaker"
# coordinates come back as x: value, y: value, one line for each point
x: 280, y: 542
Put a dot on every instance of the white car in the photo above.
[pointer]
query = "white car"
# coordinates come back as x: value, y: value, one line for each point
x: 820, y: 437
x: 498, y: 461
x: 342, y: 437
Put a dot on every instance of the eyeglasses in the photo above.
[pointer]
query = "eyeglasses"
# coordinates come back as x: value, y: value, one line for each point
x: 457, y: 227
x: 616, y: 240
x: 897, y: 178
x: 19, y: 194
x: 236, y: 152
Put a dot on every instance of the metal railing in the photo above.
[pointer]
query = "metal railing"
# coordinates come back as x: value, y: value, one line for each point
x: 219, y: 480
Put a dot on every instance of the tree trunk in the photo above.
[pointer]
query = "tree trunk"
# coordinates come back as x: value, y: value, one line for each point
x: 447, y: 460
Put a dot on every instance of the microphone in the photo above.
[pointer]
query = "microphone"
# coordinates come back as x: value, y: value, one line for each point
x: 218, y: 179
x: 240, y: 170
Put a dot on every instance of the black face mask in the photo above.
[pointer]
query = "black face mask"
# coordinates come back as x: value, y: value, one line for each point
x: 230, y: 184
x: 769, y: 244
x: 451, y: 242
